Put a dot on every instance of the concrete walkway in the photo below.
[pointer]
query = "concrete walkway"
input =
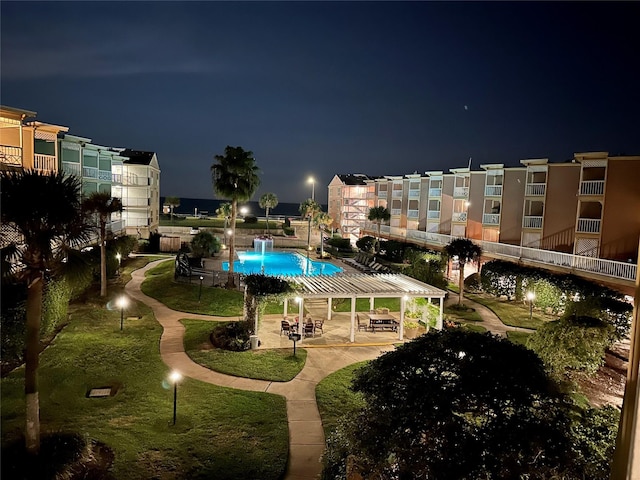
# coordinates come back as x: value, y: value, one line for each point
x: 306, y: 436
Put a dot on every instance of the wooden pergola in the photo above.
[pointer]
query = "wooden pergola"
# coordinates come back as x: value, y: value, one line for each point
x: 361, y: 285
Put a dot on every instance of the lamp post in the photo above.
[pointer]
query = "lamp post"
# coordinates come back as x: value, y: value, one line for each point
x: 200, y: 289
x: 122, y: 303
x: 119, y: 258
x: 244, y: 211
x: 175, y: 377
x: 312, y: 181
x: 531, y: 296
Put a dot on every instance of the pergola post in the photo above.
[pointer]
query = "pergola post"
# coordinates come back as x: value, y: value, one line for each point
x: 371, y: 304
x: 329, y: 308
x: 301, y: 310
x: 352, y: 332
x: 403, y: 303
x: 439, y: 323
x: 286, y: 305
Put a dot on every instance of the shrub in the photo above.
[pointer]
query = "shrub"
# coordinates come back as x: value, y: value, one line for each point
x: 366, y: 243
x: 204, y: 244
x: 250, y: 219
x: 472, y: 283
x: 233, y: 336
x: 340, y: 243
x: 55, y: 305
x: 392, y: 251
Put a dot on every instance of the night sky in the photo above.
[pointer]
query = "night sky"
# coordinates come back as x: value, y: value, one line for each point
x: 328, y: 87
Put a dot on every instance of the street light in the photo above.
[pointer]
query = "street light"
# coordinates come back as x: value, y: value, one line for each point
x: 312, y: 181
x: 119, y: 258
x: 531, y: 296
x: 175, y: 377
x: 244, y: 211
x: 122, y: 303
x: 200, y: 290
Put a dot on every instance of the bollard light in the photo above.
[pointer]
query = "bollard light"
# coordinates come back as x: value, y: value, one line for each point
x: 175, y: 377
x: 122, y: 303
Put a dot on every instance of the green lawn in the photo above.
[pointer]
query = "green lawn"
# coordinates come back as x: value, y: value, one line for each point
x: 469, y: 314
x: 275, y: 365
x: 518, y: 337
x: 510, y: 313
x: 165, y: 221
x: 474, y: 328
x: 335, y: 398
x: 220, y: 432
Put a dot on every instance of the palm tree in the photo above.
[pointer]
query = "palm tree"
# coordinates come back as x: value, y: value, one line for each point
x: 378, y: 215
x: 308, y: 209
x: 45, y: 211
x: 172, y: 202
x: 465, y: 251
x: 268, y: 201
x: 102, y: 205
x: 224, y: 211
x: 322, y: 220
x: 235, y: 177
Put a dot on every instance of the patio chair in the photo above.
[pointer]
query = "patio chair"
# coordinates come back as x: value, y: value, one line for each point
x: 285, y: 326
x: 361, y: 325
x: 309, y: 329
x: 317, y: 325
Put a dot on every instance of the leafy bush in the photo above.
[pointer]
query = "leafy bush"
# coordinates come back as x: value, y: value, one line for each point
x: 339, y: 243
x: 288, y: 231
x: 572, y: 345
x: 594, y: 442
x: 55, y: 303
x: 204, y: 244
x: 428, y: 270
x: 472, y: 283
x: 392, y: 251
x: 233, y: 336
x: 250, y: 219
x: 366, y: 243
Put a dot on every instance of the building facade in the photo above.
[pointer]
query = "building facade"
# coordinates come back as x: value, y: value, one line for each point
x: 350, y: 198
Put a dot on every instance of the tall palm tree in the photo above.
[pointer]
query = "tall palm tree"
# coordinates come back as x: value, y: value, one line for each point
x: 172, y: 202
x: 102, y: 205
x: 466, y: 251
x: 378, y: 215
x: 224, y: 211
x: 268, y: 201
x: 308, y: 209
x: 322, y: 220
x: 235, y: 177
x: 45, y: 210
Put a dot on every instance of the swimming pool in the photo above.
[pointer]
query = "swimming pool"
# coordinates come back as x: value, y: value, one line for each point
x: 279, y: 263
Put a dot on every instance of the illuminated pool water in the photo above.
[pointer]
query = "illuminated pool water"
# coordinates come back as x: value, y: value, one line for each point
x: 279, y: 263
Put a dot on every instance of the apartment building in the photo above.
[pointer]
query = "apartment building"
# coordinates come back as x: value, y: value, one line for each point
x: 140, y: 191
x: 349, y: 200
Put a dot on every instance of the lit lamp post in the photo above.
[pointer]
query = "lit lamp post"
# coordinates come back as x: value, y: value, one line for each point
x: 312, y: 181
x: 244, y: 211
x: 122, y: 303
x: 119, y: 258
x: 531, y: 297
x: 200, y: 289
x: 175, y: 377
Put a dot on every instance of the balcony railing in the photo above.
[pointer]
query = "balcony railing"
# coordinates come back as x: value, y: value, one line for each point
x: 104, y: 175
x: 397, y: 193
x: 89, y: 172
x: 72, y: 168
x: 433, y: 214
x: 382, y: 193
x: 435, y: 192
x: 592, y: 187
x: 116, y: 226
x: 588, y: 225
x: 493, y: 190
x: 535, y: 189
x: 396, y: 211
x: 530, y: 221
x: 461, y: 192
x: 412, y: 213
x: 11, y: 155
x: 45, y: 163
x: 116, y: 178
x: 491, y: 219
x: 414, y: 193
x: 608, y: 268
x: 135, y: 202
x: 459, y: 217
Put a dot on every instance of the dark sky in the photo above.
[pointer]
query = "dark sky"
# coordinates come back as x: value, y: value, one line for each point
x: 329, y: 87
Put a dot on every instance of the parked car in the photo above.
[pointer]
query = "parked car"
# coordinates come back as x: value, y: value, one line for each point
x: 194, y: 230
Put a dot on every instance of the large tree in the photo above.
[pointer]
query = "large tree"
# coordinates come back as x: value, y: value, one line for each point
x: 172, y: 202
x: 102, y: 205
x: 235, y: 177
x: 321, y: 220
x: 308, y: 209
x: 268, y: 201
x: 463, y: 251
x: 45, y: 212
x: 378, y: 215
x: 455, y: 404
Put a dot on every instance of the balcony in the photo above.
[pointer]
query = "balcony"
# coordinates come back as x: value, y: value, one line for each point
x: 433, y: 214
x: 412, y: 213
x: 396, y: 211
x: 397, y: 193
x: 11, y: 155
x: 493, y: 190
x: 45, y: 163
x: 461, y: 192
x: 491, y: 219
x: 89, y: 172
x: 592, y: 187
x: 104, y: 175
x: 530, y: 221
x: 414, y: 193
x: 588, y: 225
x: 72, y: 168
x: 116, y: 178
x: 459, y: 217
x: 435, y: 192
x: 116, y: 227
x: 135, y: 202
x: 382, y: 194
x: 535, y: 189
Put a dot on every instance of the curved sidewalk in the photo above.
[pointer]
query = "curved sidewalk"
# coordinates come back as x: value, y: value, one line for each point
x: 306, y: 435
